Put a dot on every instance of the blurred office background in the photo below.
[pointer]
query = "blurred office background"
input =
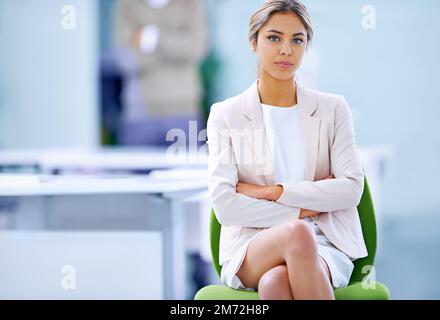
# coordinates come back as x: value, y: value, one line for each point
x: 64, y: 83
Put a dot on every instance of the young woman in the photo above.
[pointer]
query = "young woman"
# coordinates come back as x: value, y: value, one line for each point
x: 284, y: 174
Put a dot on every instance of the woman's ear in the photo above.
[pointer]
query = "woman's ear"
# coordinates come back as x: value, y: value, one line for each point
x: 254, y: 46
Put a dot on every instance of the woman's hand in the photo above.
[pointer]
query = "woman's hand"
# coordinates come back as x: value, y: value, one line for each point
x: 329, y: 177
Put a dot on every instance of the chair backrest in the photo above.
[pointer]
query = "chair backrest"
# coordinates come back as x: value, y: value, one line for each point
x: 368, y: 223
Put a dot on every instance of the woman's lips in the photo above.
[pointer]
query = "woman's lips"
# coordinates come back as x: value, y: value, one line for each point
x: 284, y: 65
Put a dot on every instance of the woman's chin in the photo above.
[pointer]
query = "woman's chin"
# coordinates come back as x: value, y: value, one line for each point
x: 283, y: 76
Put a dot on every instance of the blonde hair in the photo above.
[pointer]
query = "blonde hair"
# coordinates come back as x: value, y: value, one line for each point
x: 269, y: 7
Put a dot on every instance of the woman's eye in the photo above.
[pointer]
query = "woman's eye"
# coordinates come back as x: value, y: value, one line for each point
x: 298, y: 41
x: 273, y: 38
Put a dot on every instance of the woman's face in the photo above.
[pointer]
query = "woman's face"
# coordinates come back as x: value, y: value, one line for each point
x: 281, y: 45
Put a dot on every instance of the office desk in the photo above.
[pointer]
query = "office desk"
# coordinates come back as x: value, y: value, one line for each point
x: 103, y: 159
x: 122, y: 159
x: 19, y: 160
x: 110, y: 194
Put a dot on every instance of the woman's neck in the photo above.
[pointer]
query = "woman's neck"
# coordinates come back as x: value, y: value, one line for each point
x: 274, y: 92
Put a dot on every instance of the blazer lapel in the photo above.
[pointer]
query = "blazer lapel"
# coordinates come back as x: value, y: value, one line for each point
x: 255, y: 132
x: 309, y: 126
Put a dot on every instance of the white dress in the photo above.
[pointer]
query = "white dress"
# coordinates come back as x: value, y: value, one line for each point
x: 283, y: 133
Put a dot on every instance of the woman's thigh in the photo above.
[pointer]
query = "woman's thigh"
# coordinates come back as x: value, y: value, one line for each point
x: 265, y: 251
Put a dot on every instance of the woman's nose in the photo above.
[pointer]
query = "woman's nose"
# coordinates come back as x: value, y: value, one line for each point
x: 286, y: 49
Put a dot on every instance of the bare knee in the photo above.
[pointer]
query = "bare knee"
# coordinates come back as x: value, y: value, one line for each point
x: 300, y: 240
x: 274, y: 284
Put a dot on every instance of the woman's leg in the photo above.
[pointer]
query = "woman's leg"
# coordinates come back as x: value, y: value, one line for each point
x: 294, y: 245
x: 274, y: 284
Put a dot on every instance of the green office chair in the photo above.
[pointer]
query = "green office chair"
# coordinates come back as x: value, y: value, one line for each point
x: 362, y: 267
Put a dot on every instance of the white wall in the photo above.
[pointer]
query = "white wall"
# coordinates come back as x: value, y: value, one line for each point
x: 48, y: 75
x: 389, y: 76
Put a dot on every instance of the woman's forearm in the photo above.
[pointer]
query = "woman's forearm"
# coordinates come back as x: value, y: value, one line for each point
x: 271, y: 193
x: 274, y: 192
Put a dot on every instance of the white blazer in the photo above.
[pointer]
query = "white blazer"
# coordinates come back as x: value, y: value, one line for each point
x: 238, y: 151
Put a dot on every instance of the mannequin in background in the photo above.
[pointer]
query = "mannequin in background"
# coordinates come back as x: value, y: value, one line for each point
x: 161, y: 44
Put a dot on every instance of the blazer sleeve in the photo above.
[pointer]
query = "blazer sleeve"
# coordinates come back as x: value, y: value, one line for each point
x: 232, y: 208
x: 343, y: 192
